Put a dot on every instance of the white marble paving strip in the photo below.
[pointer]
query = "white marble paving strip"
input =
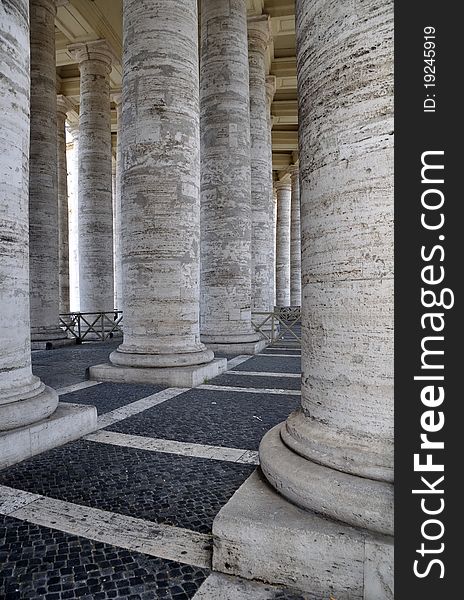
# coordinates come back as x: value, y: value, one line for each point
x: 224, y: 587
x: 77, y: 386
x: 238, y: 360
x: 235, y: 455
x: 163, y: 541
x: 263, y: 374
x: 136, y: 407
x: 281, y: 355
x: 230, y: 388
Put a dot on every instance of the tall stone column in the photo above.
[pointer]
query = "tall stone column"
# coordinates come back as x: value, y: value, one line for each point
x: 117, y: 210
x: 43, y: 182
x: 160, y: 216
x: 270, y: 92
x: 330, y: 465
x: 295, y: 240
x: 25, y: 402
x: 63, y: 106
x: 284, y: 195
x: 73, y: 215
x: 95, y: 185
x: 262, y: 259
x: 225, y: 179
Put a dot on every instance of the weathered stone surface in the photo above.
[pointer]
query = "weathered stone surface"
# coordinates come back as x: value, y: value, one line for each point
x: 295, y: 240
x: 63, y: 106
x: 261, y: 236
x: 225, y: 310
x: 73, y: 162
x: 345, y: 422
x: 160, y: 213
x: 94, y: 177
x: 284, y: 195
x: 118, y: 295
x: 23, y: 397
x: 271, y: 85
x: 43, y: 183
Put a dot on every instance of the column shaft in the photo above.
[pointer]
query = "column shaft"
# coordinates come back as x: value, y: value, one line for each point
x: 295, y: 242
x: 284, y: 193
x: 337, y: 452
x: 262, y: 259
x: 73, y: 203
x: 95, y: 185
x: 23, y: 397
x: 43, y: 188
x: 117, y: 212
x: 225, y: 175
x: 63, y: 208
x: 270, y: 91
x: 160, y: 216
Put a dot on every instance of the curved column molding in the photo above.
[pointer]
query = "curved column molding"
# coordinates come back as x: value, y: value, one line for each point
x: 284, y: 195
x: 24, y: 399
x: 225, y: 310
x: 334, y: 455
x: 259, y: 36
x: 43, y: 182
x: 295, y: 240
x: 160, y: 212
x: 95, y: 180
x: 63, y: 105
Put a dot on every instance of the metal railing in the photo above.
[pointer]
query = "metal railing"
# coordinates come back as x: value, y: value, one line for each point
x: 282, y: 324
x: 95, y: 326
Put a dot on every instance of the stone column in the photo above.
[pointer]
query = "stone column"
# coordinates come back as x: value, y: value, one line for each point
x: 63, y: 106
x: 73, y: 187
x: 225, y: 179
x: 330, y: 465
x: 270, y: 92
x: 262, y: 259
x: 284, y: 195
x: 160, y: 216
x: 95, y: 191
x: 117, y: 210
x: 43, y: 183
x: 295, y: 240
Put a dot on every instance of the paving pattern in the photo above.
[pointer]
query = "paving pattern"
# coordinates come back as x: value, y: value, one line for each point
x: 216, y: 418
x: 179, y: 487
x: 38, y: 563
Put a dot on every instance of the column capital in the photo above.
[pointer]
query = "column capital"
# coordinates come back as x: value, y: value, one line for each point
x: 63, y: 105
x: 73, y: 128
x: 116, y: 96
x: 98, y: 50
x: 283, y: 184
x: 271, y: 85
x: 259, y: 33
x: 294, y: 170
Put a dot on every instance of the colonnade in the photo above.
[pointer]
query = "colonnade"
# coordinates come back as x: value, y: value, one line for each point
x: 197, y: 255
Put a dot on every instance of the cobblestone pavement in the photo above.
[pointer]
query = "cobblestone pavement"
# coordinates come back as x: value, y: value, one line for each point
x: 182, y: 492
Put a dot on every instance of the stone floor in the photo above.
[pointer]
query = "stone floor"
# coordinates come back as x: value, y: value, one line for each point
x: 127, y: 511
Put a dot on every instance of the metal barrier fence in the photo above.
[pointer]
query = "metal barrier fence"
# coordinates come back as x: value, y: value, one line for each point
x: 282, y: 324
x: 93, y: 326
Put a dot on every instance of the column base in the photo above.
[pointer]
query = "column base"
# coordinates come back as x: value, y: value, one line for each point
x: 260, y: 535
x: 189, y: 376
x: 52, y: 344
x: 238, y: 348
x: 69, y: 422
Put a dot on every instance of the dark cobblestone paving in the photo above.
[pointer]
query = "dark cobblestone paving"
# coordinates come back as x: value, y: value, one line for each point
x: 286, y: 351
x: 165, y: 488
x: 258, y: 381
x: 216, y: 418
x: 38, y: 563
x: 109, y: 396
x: 65, y: 366
x: 271, y: 364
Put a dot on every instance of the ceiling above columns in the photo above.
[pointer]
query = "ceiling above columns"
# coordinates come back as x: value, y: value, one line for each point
x: 88, y: 20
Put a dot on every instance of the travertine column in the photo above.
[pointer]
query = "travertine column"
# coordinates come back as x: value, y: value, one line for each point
x: 95, y: 186
x: 23, y: 397
x: 43, y: 184
x: 63, y: 106
x: 225, y: 178
x: 335, y: 454
x: 117, y: 210
x: 284, y: 195
x: 160, y: 197
x: 262, y: 259
x: 271, y: 81
x: 73, y: 214
x: 295, y: 240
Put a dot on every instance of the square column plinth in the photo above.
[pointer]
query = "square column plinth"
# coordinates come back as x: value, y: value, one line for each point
x: 69, y: 422
x: 260, y: 535
x: 171, y: 376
